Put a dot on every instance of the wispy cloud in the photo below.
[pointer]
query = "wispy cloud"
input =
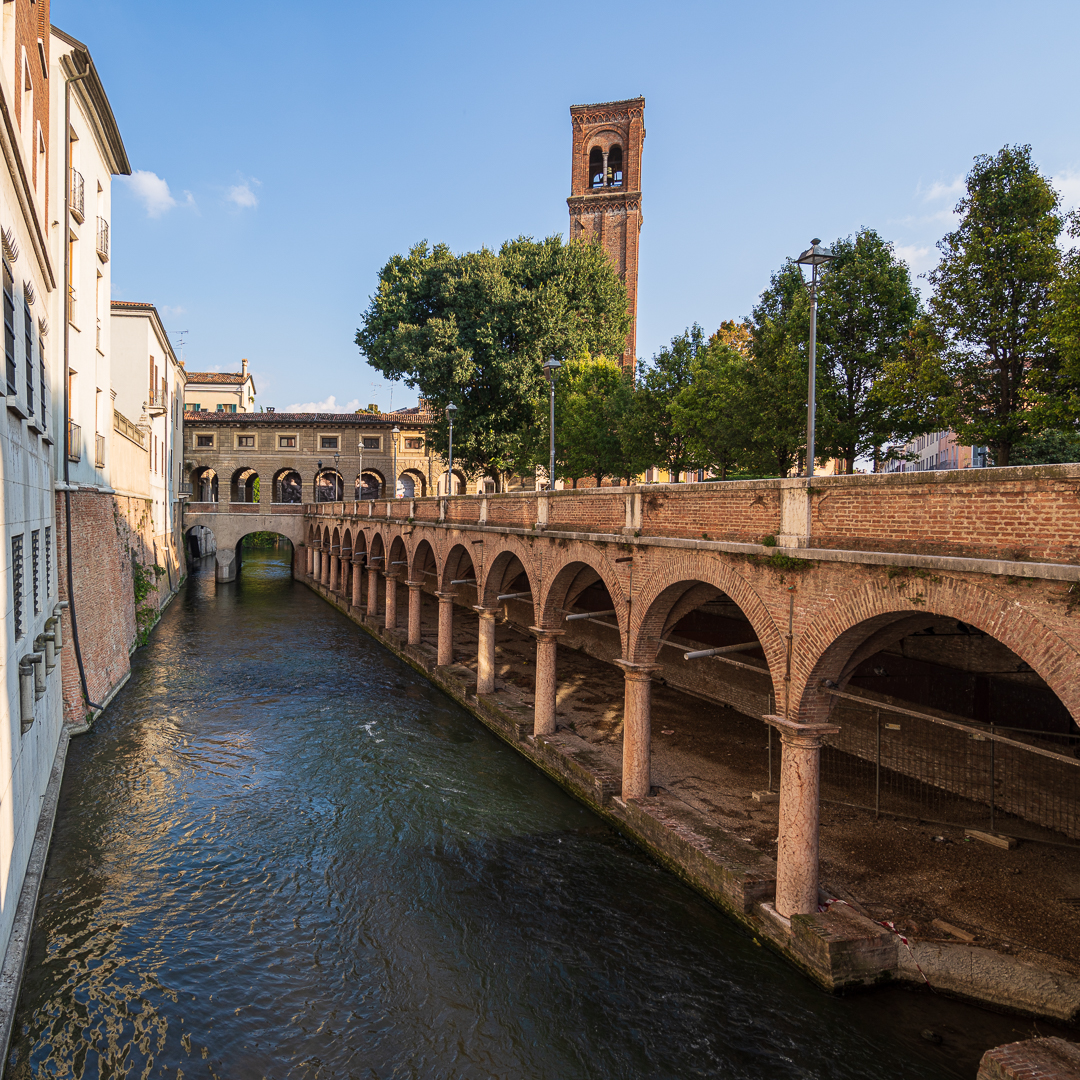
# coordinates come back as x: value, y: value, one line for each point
x: 172, y: 312
x: 328, y: 405
x: 243, y: 195
x: 153, y: 192
x: 1068, y: 186
x: 919, y: 258
x: 941, y: 190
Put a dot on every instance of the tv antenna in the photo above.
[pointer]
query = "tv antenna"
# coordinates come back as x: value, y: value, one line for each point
x: 181, y: 338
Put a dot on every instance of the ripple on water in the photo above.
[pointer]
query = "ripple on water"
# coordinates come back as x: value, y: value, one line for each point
x: 281, y: 853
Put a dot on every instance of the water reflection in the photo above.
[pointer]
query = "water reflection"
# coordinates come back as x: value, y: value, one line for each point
x: 283, y: 854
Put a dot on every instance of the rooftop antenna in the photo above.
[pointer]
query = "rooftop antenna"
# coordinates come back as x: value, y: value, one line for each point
x: 181, y: 337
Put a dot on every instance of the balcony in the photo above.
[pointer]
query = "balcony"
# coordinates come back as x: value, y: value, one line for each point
x: 99, y: 451
x: 74, y: 441
x: 77, y: 201
x: 103, y: 239
x: 157, y: 402
x: 129, y: 430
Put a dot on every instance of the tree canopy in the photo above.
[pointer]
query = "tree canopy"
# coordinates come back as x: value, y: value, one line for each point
x: 476, y: 328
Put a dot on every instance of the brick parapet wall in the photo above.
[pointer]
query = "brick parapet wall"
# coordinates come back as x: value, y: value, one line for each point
x: 1033, y: 1059
x: 1030, y: 513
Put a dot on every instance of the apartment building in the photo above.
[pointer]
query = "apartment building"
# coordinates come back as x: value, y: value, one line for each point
x: 220, y: 391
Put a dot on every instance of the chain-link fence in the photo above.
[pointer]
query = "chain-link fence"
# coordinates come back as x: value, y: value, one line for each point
x: 935, y: 768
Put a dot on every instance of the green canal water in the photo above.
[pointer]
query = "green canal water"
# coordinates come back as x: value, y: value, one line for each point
x: 282, y: 853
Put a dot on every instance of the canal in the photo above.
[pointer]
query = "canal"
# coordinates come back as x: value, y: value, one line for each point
x: 282, y: 853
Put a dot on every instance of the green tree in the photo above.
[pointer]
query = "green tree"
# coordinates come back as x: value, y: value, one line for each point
x: 650, y: 435
x: 476, y: 328
x: 992, y: 299
x: 713, y: 412
x: 590, y: 400
x: 776, y: 374
x: 1063, y: 326
x: 866, y: 310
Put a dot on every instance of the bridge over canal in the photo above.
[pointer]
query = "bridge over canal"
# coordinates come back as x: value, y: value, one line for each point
x: 956, y: 591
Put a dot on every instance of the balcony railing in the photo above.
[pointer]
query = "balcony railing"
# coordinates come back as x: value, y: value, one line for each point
x: 77, y: 196
x: 74, y: 441
x: 99, y: 451
x: 103, y: 239
x: 126, y: 428
x: 157, y: 401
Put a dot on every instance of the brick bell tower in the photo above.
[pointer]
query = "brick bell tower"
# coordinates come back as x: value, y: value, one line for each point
x: 605, y: 186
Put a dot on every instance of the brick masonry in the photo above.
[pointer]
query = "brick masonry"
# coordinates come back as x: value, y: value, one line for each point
x: 1033, y: 1059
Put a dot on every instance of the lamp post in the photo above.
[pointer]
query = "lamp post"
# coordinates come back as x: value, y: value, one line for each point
x: 814, y: 256
x: 551, y: 368
x: 360, y: 474
x: 337, y: 461
x: 451, y: 408
x: 397, y: 487
x: 318, y: 470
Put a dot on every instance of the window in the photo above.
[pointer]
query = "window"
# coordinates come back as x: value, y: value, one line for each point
x: 204, y: 440
x: 28, y: 345
x: 286, y: 441
x: 48, y: 561
x: 9, y: 331
x: 192, y: 406
x: 44, y: 382
x: 35, y: 562
x: 414, y: 444
x: 596, y: 167
x: 614, y: 167
x: 245, y: 440
x: 371, y: 442
x: 17, y: 584
x: 226, y: 408
x: 329, y: 442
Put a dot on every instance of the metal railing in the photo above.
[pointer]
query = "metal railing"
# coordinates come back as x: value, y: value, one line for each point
x: 74, y: 441
x: 78, y: 203
x: 126, y: 428
x: 103, y: 239
x: 99, y: 451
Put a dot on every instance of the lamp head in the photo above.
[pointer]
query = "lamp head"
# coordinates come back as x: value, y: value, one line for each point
x: 318, y: 465
x: 551, y: 366
x: 396, y: 431
x: 815, y: 254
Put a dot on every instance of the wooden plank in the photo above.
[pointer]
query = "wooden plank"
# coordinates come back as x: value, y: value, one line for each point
x: 991, y: 838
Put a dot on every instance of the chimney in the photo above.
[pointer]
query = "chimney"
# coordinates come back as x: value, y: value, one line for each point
x: 243, y: 368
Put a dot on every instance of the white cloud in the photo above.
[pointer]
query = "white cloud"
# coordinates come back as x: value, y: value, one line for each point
x: 1068, y: 186
x: 172, y: 312
x: 154, y: 192
x: 328, y: 405
x: 941, y: 190
x: 242, y: 194
x: 919, y: 258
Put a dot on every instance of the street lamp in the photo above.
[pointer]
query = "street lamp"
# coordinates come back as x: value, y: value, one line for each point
x: 397, y: 487
x: 337, y: 461
x: 360, y: 475
x: 451, y: 408
x: 318, y: 470
x: 814, y: 256
x: 551, y: 368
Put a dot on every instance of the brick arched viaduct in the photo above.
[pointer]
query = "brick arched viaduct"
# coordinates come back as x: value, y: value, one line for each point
x: 822, y: 578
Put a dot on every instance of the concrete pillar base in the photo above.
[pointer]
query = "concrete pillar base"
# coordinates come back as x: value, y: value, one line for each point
x: 225, y: 565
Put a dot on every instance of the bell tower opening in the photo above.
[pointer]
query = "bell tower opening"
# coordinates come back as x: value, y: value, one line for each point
x: 605, y: 190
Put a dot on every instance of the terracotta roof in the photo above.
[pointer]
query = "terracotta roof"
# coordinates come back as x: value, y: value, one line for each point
x: 133, y: 304
x: 232, y: 377
x: 412, y: 416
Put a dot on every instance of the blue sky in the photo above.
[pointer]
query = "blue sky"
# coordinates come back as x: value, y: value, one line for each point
x: 284, y: 151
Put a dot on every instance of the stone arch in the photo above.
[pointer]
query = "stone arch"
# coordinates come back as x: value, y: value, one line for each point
x: 867, y: 618
x: 288, y: 486
x: 398, y: 554
x: 423, y: 562
x: 242, y: 484
x: 567, y: 572
x: 504, y: 564
x: 335, y: 541
x: 458, y: 563
x: 329, y: 485
x: 377, y: 551
x: 413, y: 484
x: 346, y: 544
x: 682, y: 584
x: 369, y: 484
x: 204, y: 484
x: 460, y: 486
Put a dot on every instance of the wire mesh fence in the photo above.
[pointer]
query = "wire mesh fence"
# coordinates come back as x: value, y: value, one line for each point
x: 909, y: 763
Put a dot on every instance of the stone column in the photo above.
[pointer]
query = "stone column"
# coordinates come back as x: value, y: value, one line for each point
x: 316, y: 563
x: 335, y: 572
x: 637, y: 728
x: 485, y: 650
x: 800, y: 788
x: 310, y: 560
x: 391, y: 602
x: 326, y: 567
x: 546, y: 680
x: 357, y: 584
x: 446, y: 628
x: 372, y: 591
x: 416, y: 598
x: 346, y: 576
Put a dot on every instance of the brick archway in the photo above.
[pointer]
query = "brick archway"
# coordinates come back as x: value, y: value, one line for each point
x: 671, y: 588
x: 827, y: 648
x: 498, y: 560
x: 557, y: 569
